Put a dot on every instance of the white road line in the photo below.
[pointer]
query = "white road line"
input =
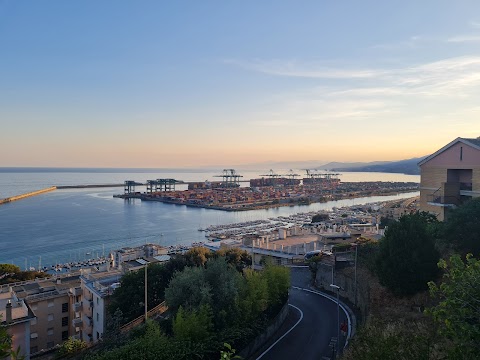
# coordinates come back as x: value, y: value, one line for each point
x: 293, y: 327
x: 334, y: 299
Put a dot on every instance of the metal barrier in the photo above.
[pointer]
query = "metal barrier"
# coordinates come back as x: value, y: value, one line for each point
x: 157, y: 310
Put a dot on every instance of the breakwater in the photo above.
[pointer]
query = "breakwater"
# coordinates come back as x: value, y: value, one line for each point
x: 26, y: 195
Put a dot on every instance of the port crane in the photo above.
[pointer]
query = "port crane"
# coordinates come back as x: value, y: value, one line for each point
x: 273, y: 176
x: 230, y: 178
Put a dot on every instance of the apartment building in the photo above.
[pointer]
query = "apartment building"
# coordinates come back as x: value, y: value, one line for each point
x: 126, y: 254
x: 51, y: 301
x: 450, y: 176
x: 17, y: 318
x: 90, y: 313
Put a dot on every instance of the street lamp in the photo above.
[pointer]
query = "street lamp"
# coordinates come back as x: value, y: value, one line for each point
x: 146, y: 307
x: 338, y: 316
x: 356, y: 256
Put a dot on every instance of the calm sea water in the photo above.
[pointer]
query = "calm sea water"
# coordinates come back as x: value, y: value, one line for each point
x: 69, y: 225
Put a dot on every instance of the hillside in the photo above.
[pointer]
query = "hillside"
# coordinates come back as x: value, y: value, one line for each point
x: 408, y: 166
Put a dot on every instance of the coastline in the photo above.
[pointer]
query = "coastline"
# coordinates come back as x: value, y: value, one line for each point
x: 266, y: 205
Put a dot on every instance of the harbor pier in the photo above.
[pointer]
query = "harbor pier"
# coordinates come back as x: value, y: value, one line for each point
x: 26, y: 195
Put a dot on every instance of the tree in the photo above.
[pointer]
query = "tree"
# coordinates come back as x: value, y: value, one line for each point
x: 462, y: 228
x: 407, y: 256
x: 458, y: 310
x: 9, y: 269
x: 224, y: 280
x: 254, y: 295
x: 198, y: 256
x: 320, y: 218
x: 193, y: 325
x: 236, y: 257
x: 188, y: 289
x: 130, y: 294
x: 400, y: 340
x: 71, y: 347
x: 5, y: 341
x: 278, y: 281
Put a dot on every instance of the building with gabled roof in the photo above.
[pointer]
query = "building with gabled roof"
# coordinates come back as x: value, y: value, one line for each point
x: 450, y: 176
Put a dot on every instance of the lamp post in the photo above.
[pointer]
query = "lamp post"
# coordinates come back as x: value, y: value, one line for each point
x: 356, y: 256
x: 338, y: 316
x: 146, y: 287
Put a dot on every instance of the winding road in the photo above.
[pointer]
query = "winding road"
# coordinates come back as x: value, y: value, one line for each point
x: 310, y: 325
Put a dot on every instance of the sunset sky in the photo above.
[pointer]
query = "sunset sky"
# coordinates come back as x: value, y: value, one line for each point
x: 198, y: 83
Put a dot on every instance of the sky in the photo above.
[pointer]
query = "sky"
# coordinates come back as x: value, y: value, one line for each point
x: 118, y: 83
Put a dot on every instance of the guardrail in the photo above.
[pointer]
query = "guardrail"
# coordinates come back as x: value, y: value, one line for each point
x: 157, y: 310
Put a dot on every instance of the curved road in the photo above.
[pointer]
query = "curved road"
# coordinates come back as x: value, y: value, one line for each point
x: 309, y: 328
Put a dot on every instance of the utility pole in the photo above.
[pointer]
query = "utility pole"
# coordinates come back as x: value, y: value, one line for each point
x: 146, y: 287
x: 338, y: 317
x: 355, y: 294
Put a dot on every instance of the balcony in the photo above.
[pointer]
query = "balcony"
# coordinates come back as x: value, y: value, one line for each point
x: 77, y: 306
x: 77, y: 322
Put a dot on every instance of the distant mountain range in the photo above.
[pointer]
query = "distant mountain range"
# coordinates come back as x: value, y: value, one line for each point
x: 408, y: 166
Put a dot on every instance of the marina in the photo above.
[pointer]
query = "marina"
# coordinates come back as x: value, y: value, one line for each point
x: 64, y: 225
x: 264, y: 235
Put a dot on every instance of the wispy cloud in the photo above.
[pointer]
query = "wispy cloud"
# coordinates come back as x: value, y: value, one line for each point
x: 421, y: 91
x: 295, y: 68
x: 438, y: 76
x: 464, y: 38
x: 411, y: 43
x: 474, y: 24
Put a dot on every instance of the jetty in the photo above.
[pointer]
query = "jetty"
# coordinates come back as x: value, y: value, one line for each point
x: 26, y: 195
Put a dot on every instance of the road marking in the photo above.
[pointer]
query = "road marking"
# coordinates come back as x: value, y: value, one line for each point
x: 334, y: 299
x: 293, y: 327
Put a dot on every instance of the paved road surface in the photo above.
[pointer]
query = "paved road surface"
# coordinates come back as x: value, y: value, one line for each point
x: 316, y: 319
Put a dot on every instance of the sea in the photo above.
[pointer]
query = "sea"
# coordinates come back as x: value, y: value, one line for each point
x: 79, y: 224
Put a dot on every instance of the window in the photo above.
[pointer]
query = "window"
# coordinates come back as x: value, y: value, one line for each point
x: 97, y: 300
x: 33, y: 335
x: 98, y: 335
x: 98, y: 317
x: 50, y: 344
x: 33, y: 349
x: 50, y: 331
x: 65, y: 321
x: 461, y: 153
x: 65, y: 335
x: 50, y: 317
x: 65, y: 307
x: 51, y: 303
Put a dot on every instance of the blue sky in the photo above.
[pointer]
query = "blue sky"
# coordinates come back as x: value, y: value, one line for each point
x: 192, y: 83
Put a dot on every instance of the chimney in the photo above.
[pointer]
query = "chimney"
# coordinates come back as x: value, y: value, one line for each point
x: 59, y: 281
x: 8, y: 310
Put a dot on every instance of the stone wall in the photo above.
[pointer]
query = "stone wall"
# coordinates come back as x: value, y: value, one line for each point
x: 345, y: 278
x: 261, y: 339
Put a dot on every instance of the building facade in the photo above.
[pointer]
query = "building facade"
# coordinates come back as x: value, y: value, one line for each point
x: 450, y: 177
x: 50, y: 300
x: 17, y: 318
x: 96, y: 288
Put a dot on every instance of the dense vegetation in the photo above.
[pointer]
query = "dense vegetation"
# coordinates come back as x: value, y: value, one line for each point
x: 213, y: 299
x: 407, y: 261
x: 12, y: 273
x: 127, y: 300
x: 407, y: 257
